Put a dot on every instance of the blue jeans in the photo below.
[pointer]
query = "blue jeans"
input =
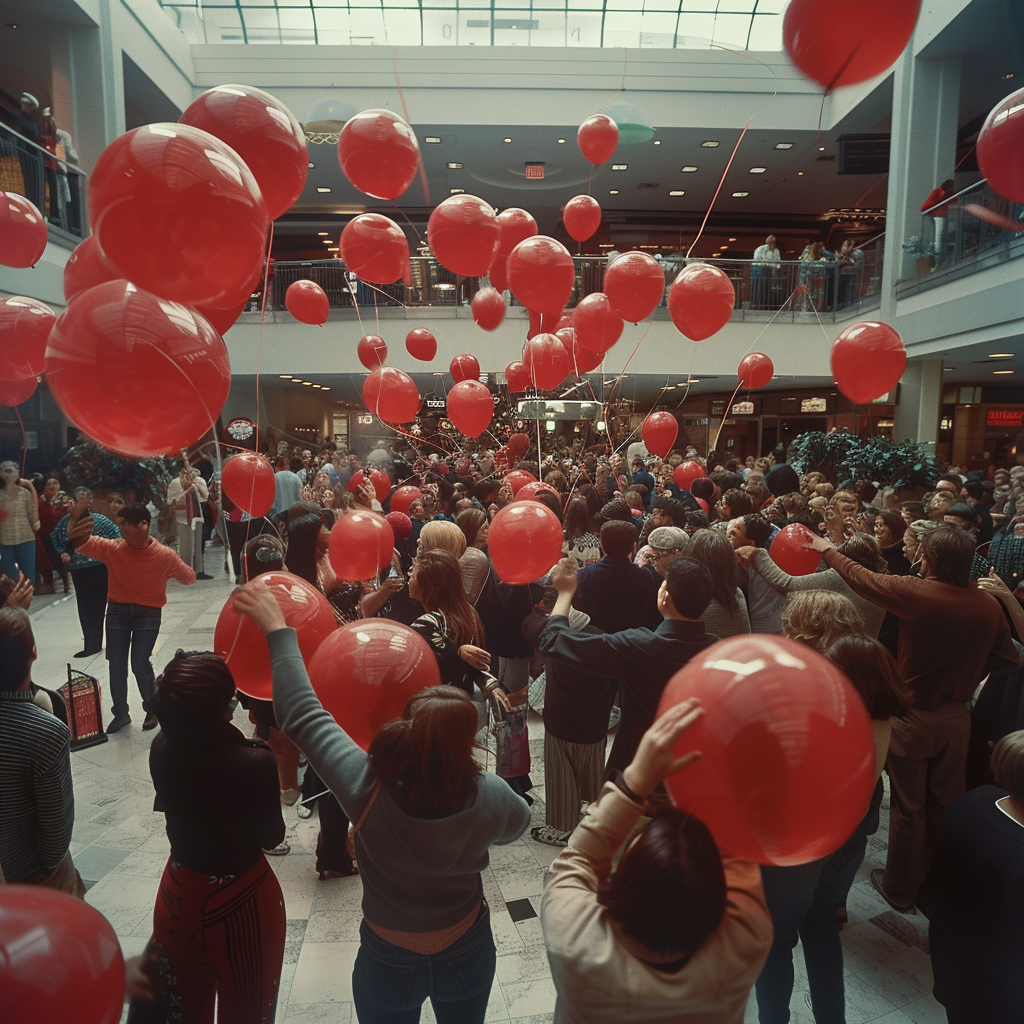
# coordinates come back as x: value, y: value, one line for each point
x: 390, y: 984
x: 19, y: 556
x: 130, y: 628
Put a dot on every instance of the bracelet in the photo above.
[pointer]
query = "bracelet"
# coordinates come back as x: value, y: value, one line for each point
x: 620, y: 781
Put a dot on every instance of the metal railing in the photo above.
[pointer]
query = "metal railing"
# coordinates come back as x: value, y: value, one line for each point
x: 56, y: 186
x: 830, y: 289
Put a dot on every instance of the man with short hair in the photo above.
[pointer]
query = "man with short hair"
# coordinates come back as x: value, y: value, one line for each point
x: 764, y: 274
x: 185, y: 494
x: 139, y: 569
x: 669, y: 544
x: 764, y: 604
x: 965, y: 517
x: 975, y: 495
x: 734, y: 504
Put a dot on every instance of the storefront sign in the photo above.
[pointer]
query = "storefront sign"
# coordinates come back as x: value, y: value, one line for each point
x: 1004, y: 418
x: 241, y: 429
x: 814, y: 405
x: 743, y: 409
x: 364, y: 421
x: 437, y: 404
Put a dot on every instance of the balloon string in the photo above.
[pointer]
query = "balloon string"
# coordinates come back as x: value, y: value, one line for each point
x: 263, y: 314
x: 728, y: 406
x: 24, y: 440
x: 720, y: 184
x: 622, y: 374
x: 408, y: 118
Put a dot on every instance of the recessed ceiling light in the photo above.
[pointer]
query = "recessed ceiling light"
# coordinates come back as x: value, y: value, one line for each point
x: 561, y: 142
x: 324, y: 387
x: 1007, y: 75
x: 758, y: 170
x: 326, y: 241
x: 799, y: 174
x: 1002, y: 371
x: 821, y: 149
x: 311, y: 165
x: 613, y: 191
x: 619, y: 167
x: 677, y: 192
x: 783, y: 145
x: 723, y: 247
x: 308, y: 383
x: 1000, y: 355
x: 507, y: 139
x: 710, y: 144
x: 334, y: 249
x: 454, y: 167
x: 732, y: 239
x: 740, y: 195
x: 455, y: 191
x: 322, y: 233
x: 285, y: 376
x: 431, y: 138
x: 715, y: 255
x: 322, y: 188
x: 657, y: 142
x: 948, y: 368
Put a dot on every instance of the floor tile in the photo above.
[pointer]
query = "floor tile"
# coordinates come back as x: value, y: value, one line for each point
x: 324, y: 973
x: 926, y: 1010
x: 529, y: 998
x: 94, y: 862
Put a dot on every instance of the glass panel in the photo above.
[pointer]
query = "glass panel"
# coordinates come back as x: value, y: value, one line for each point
x: 766, y: 32
x: 550, y: 30
x: 403, y: 27
x: 440, y: 28
x: 261, y: 25
x: 223, y: 26
x: 367, y: 27
x: 731, y: 30
x: 296, y: 26
x: 332, y: 26
x: 658, y: 29
x: 583, y: 28
x: 695, y: 30
x: 621, y: 29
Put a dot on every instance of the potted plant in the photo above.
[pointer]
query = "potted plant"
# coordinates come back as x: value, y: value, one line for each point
x: 925, y: 253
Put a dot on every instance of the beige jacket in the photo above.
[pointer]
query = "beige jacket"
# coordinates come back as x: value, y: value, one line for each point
x: 598, y: 980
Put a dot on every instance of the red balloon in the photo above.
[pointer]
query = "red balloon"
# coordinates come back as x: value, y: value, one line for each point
x: 788, y: 551
x: 582, y: 217
x: 222, y: 320
x: 367, y: 671
x: 488, y: 308
x: 372, y: 350
x: 239, y: 642
x: 87, y: 267
x: 755, y: 370
x: 524, y: 542
x: 401, y: 525
x: 307, y: 302
x: 583, y: 359
x: 178, y: 213
x: 993, y: 217
x: 402, y: 499
x: 517, y: 377
x: 470, y: 407
x: 464, y: 367
x: 659, y: 432
x: 361, y: 544
x: 463, y: 234
x: 516, y: 225
x: 378, y: 153
x: 1000, y: 144
x: 25, y: 326
x: 700, y: 301
x: 597, y: 325
x: 421, y: 344
x: 374, y: 248
x: 598, y: 138
x: 868, y: 359
x: 59, y: 959
x: 115, y: 343
x: 635, y: 285
x: 263, y: 132
x: 22, y: 232
x: 519, y: 444
x: 381, y: 482
x: 837, y: 44
x: 782, y: 730
x: 546, y: 361
x: 517, y: 479
x: 541, y: 274
x: 703, y: 504
x: 248, y: 480
x: 529, y: 491
x: 14, y: 392
x: 686, y: 472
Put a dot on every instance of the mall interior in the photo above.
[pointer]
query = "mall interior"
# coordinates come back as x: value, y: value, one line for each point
x: 723, y: 143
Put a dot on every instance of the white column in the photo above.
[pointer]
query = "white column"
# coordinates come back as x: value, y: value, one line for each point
x: 920, y: 402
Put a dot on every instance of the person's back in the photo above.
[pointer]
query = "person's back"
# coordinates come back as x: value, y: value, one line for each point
x: 287, y: 486
x: 614, y: 592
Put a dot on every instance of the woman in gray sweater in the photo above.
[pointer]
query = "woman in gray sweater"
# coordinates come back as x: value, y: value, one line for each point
x: 727, y: 614
x: 425, y: 817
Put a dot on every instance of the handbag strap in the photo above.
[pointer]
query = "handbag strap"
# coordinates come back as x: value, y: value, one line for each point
x: 369, y: 803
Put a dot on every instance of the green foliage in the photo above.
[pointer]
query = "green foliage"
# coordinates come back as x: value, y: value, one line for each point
x: 841, y: 456
x: 89, y: 464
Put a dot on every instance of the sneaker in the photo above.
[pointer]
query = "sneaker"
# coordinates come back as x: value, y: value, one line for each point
x: 549, y: 835
x: 118, y: 723
x: 304, y: 810
x: 88, y: 654
x: 278, y: 851
x: 151, y: 721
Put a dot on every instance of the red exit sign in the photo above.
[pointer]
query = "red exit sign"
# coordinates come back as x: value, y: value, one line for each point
x: 534, y: 171
x: 1004, y: 418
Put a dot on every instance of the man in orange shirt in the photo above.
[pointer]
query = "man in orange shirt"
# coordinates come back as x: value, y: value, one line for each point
x: 139, y: 568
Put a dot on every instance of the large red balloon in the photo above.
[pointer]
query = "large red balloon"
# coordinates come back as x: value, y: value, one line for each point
x: 470, y: 407
x: 392, y: 395
x: 583, y: 359
x: 488, y: 308
x: 529, y: 491
x: 755, y: 370
x: 517, y: 479
x: 994, y: 217
x: 659, y: 432
x: 582, y: 217
x: 421, y: 344
x: 115, y: 343
x: 14, y: 392
x: 635, y: 285
x: 1000, y: 144
x: 374, y: 248
x: 541, y: 274
x: 524, y: 541
x: 782, y: 730
x: 361, y: 545
x: 378, y: 153
x: 307, y: 302
x: 517, y: 377
x: 381, y: 483
x: 868, y: 359
x: 22, y: 232
x: 402, y: 499
x: 701, y: 300
x: 843, y: 44
x: 239, y: 642
x: 598, y: 138
x: 372, y: 350
x: 515, y: 225
x: 25, y: 326
x: 464, y: 367
x: 546, y: 361
x: 368, y: 671
x: 178, y: 213
x: 401, y: 525
x: 519, y: 444
x: 463, y: 234
x: 788, y: 551
x: 686, y: 472
x: 87, y: 267
x: 248, y: 480
x: 263, y: 132
x: 59, y: 959
x: 597, y: 325
x: 222, y: 320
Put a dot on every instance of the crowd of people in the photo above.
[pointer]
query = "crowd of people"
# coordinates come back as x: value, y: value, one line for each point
x: 917, y: 601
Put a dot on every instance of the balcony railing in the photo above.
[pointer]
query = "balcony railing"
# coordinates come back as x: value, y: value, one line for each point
x: 56, y: 186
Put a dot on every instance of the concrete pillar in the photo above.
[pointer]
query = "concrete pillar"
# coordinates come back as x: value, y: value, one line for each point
x: 920, y: 402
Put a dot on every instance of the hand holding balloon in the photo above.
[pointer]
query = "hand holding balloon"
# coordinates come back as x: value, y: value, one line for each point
x: 256, y: 602
x: 655, y: 759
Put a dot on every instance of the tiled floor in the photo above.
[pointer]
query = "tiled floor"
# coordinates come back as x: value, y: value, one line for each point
x: 120, y: 848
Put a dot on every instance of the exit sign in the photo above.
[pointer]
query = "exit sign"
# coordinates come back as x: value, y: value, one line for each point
x: 534, y: 171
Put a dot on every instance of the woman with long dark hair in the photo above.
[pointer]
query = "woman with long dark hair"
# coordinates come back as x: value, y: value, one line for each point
x: 581, y: 543
x: 727, y: 614
x: 426, y: 817
x: 889, y: 528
